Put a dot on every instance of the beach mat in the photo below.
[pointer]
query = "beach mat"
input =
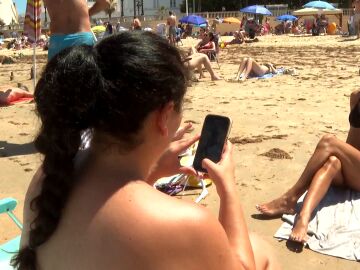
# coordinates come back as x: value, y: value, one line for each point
x: 279, y: 71
x: 25, y: 100
x: 334, y: 228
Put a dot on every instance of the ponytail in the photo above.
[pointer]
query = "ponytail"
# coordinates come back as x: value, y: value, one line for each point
x: 64, y: 99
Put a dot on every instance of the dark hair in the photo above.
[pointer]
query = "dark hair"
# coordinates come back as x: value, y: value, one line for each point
x: 211, y: 36
x: 126, y: 76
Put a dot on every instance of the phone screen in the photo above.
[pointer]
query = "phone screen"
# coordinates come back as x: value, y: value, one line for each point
x: 213, y: 136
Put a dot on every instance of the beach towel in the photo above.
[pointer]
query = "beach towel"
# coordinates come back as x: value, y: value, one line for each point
x: 14, y: 95
x: 279, y: 71
x: 334, y: 228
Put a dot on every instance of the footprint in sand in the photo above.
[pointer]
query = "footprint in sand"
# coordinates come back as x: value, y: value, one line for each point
x: 276, y: 153
x: 24, y: 164
x: 24, y: 134
x: 28, y: 170
x: 14, y: 123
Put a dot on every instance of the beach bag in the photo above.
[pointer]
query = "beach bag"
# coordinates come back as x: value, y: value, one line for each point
x: 251, y: 33
x: 315, y: 31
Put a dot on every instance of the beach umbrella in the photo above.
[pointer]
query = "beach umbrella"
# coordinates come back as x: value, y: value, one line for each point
x: 313, y: 11
x: 193, y: 19
x: 231, y: 20
x: 286, y: 17
x: 256, y: 9
x: 32, y: 27
x: 319, y: 5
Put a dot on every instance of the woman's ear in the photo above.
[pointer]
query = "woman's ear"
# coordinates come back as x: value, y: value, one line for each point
x: 164, y: 114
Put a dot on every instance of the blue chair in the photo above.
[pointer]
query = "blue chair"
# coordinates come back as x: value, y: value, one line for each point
x: 10, y: 248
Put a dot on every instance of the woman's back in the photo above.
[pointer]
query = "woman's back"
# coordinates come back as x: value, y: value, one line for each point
x: 108, y: 226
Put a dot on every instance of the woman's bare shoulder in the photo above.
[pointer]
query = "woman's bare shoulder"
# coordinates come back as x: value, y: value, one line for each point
x: 166, y: 226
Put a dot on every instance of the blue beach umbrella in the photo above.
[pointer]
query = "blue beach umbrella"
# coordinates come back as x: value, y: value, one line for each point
x: 286, y: 17
x: 319, y: 5
x: 256, y: 10
x: 193, y: 19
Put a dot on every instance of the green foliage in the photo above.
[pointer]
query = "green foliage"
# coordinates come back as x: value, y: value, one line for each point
x: 111, y: 9
x: 162, y: 12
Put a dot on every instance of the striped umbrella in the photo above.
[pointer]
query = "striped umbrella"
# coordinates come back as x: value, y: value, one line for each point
x: 32, y: 27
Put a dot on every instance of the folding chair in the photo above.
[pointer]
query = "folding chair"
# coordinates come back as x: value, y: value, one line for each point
x: 11, y: 247
x: 213, y: 55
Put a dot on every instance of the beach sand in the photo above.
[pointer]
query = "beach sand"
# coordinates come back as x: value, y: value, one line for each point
x: 290, y: 113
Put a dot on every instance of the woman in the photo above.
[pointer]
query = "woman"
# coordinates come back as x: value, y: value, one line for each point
x: 209, y: 46
x: 197, y: 61
x: 97, y: 209
x: 334, y: 162
x: 249, y: 67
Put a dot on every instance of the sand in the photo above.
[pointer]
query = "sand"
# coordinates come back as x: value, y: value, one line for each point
x: 276, y: 125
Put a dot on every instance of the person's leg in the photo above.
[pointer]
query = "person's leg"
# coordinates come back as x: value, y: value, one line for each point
x: 193, y: 50
x: 265, y: 259
x: 328, y: 146
x: 202, y: 59
x: 248, y: 69
x: 329, y: 173
x: 242, y: 67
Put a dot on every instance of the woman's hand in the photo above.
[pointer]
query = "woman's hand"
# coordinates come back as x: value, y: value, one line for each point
x: 169, y: 162
x: 222, y: 173
x: 181, y: 132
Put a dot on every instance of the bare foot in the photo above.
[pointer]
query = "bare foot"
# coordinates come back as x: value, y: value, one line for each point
x: 299, y: 231
x: 277, y: 207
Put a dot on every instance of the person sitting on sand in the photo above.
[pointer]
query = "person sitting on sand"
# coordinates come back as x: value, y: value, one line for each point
x: 97, y: 208
x: 266, y: 28
x: 250, y: 68
x: 209, y: 46
x: 295, y: 28
x: 280, y: 28
x: 238, y: 39
x: 10, y: 94
x: 334, y: 162
x: 197, y: 61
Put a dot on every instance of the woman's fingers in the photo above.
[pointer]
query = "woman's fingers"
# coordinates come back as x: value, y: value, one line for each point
x: 186, y: 143
x: 181, y: 132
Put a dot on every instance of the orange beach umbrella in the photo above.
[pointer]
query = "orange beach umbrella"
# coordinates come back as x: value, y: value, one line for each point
x: 231, y: 20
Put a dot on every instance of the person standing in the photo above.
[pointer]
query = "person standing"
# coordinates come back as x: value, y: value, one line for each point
x: 356, y: 4
x: 136, y: 25
x: 171, y: 22
x: 70, y: 23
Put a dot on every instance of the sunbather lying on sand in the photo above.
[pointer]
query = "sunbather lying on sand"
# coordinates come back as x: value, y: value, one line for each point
x: 249, y: 67
x: 334, y: 162
x: 10, y: 94
x: 97, y: 209
x: 197, y: 61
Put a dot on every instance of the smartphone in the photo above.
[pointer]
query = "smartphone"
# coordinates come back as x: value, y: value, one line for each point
x: 213, y: 136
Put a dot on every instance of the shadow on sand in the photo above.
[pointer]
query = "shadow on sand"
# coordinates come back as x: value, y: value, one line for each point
x: 13, y: 149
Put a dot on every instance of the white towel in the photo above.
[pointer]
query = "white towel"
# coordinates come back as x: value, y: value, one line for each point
x: 334, y: 226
